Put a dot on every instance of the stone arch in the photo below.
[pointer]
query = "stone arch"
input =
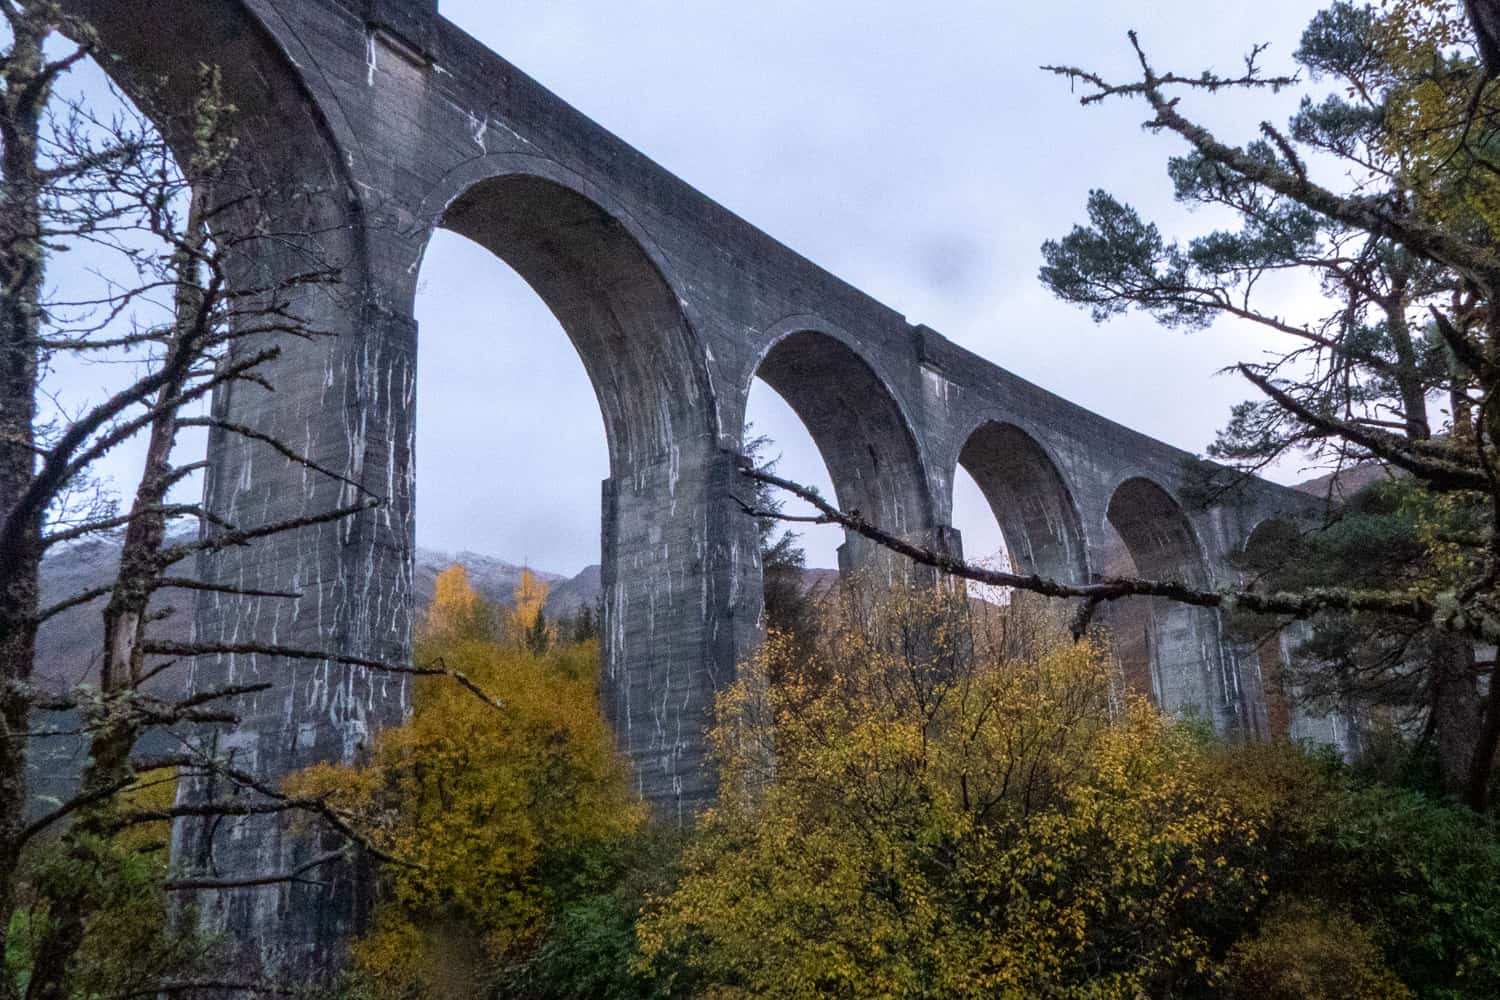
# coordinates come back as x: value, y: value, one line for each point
x: 860, y: 429
x: 296, y: 155
x: 1174, y: 650
x: 672, y: 553
x: 1157, y: 532
x: 297, y: 141
x: 595, y: 274
x: 1265, y: 548
x: 1030, y: 500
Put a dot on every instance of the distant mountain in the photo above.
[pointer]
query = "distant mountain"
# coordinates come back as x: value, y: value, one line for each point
x: 68, y: 646
x: 1345, y: 483
x: 818, y: 581
x: 494, y: 579
x: 585, y: 589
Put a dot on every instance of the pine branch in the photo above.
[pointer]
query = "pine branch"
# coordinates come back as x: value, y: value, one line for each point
x: 1392, y: 448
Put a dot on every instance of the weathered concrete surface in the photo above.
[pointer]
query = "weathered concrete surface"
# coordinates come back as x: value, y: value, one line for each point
x: 379, y: 122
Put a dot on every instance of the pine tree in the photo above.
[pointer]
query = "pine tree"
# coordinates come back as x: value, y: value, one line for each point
x: 1384, y: 191
x: 585, y: 625
x: 789, y: 610
x: 539, y: 636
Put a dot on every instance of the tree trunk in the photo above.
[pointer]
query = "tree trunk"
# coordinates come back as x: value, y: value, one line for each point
x: 22, y: 265
x: 1409, y: 380
x: 139, y: 574
x: 1482, y: 771
x: 1455, y: 711
x: 125, y: 619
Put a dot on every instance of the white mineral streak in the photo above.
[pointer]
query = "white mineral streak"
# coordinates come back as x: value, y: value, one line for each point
x: 478, y: 129
x: 734, y: 574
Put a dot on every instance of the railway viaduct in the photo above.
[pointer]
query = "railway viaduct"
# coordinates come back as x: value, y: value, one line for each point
x: 379, y: 122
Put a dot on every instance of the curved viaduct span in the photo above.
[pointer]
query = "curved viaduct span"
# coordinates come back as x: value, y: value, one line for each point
x: 375, y: 123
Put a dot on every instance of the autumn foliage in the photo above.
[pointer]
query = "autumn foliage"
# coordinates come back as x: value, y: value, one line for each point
x: 485, y: 806
x: 929, y: 796
x: 950, y: 800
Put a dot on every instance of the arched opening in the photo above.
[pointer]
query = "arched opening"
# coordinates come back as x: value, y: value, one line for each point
x: 1265, y: 550
x: 785, y: 440
x: 663, y: 586
x: 979, y: 533
x: 862, y: 437
x: 1031, y: 504
x: 612, y: 302
x: 510, y: 440
x: 1173, y: 651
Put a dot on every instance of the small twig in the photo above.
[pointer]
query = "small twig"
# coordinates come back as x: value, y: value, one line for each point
x: 160, y: 648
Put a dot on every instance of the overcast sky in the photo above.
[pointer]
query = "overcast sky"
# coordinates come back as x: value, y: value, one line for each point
x: 915, y: 150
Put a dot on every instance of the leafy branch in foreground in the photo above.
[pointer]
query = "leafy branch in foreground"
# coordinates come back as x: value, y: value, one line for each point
x: 1380, y: 196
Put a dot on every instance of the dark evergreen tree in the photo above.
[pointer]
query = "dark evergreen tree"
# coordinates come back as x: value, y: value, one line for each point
x: 585, y: 626
x: 1404, y: 677
x: 790, y: 611
x: 539, y: 635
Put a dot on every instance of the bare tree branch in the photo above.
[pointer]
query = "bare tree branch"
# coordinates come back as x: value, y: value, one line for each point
x: 1294, y: 605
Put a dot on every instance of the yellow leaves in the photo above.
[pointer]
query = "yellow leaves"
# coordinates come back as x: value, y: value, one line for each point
x: 1427, y: 108
x: 1413, y: 31
x: 912, y: 813
x: 1306, y: 952
x: 477, y: 800
x: 460, y: 615
x: 527, y: 603
x: 455, y: 606
x: 153, y: 791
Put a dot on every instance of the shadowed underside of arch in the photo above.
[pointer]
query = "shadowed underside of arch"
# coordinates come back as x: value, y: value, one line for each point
x: 282, y: 130
x: 1173, y: 650
x: 1157, y: 533
x: 859, y: 429
x: 1032, y: 504
x: 620, y: 313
